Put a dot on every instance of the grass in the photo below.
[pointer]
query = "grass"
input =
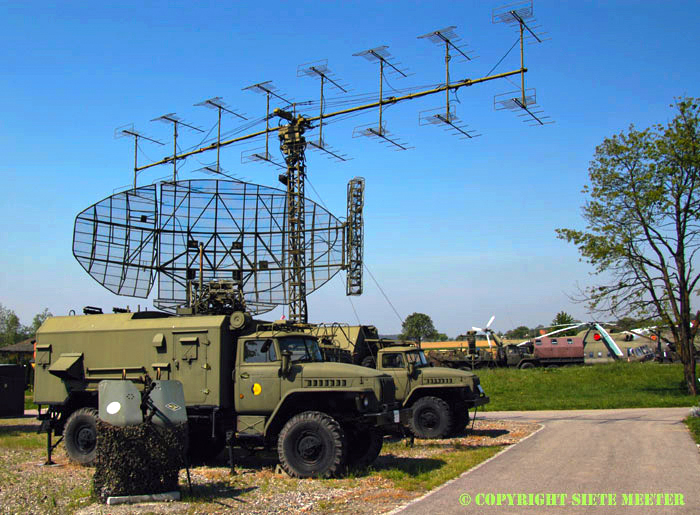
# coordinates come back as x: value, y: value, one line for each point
x: 603, y: 386
x: 29, y: 400
x: 693, y: 424
x: 20, y: 434
x: 423, y: 474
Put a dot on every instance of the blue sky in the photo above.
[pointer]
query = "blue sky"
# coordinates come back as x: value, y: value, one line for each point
x: 456, y: 229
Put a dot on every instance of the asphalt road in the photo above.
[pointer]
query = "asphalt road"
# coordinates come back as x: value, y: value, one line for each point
x: 615, y: 452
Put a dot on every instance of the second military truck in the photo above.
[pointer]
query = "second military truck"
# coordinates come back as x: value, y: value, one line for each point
x: 439, y: 397
x: 259, y: 384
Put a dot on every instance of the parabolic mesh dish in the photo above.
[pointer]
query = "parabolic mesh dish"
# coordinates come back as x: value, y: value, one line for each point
x: 129, y: 238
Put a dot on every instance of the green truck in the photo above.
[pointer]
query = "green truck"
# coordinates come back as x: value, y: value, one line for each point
x: 439, y: 397
x: 246, y: 382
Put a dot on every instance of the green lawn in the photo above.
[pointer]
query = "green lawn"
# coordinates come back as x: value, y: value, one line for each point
x: 609, y: 385
x: 29, y: 399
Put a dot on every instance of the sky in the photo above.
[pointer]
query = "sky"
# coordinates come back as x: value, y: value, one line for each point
x: 459, y: 230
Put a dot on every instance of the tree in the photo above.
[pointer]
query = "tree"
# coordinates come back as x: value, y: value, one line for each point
x: 642, y: 233
x: 518, y: 333
x: 39, y: 319
x: 564, y: 319
x: 11, y: 331
x: 418, y: 327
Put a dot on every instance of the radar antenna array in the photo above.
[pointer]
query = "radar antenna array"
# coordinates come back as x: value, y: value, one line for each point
x: 297, y: 268
x: 191, y: 234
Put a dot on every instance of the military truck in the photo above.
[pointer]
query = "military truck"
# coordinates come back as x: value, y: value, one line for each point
x: 537, y: 352
x: 254, y: 383
x: 440, y: 397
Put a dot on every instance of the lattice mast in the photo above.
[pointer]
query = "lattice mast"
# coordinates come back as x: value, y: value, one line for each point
x: 293, y: 145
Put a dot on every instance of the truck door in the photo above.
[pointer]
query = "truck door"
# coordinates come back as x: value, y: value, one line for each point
x: 257, y: 378
x: 393, y: 363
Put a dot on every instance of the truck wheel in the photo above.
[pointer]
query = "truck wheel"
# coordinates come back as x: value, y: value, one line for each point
x: 80, y: 436
x: 432, y: 418
x: 312, y: 444
x: 527, y: 365
x: 369, y: 362
x: 364, y: 445
x: 460, y: 416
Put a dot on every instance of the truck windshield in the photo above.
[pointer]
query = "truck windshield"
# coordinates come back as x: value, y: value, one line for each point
x: 302, y: 349
x: 417, y: 357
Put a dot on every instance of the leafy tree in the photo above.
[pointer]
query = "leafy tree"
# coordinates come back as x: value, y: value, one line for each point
x: 518, y: 333
x: 39, y: 319
x: 441, y: 337
x: 564, y: 319
x: 643, y: 230
x: 11, y: 331
x: 418, y: 327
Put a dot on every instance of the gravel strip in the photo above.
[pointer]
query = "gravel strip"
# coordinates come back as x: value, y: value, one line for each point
x: 28, y: 487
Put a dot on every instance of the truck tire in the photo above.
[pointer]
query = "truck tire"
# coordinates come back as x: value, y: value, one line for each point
x: 364, y: 445
x: 80, y: 436
x: 369, y: 362
x: 527, y: 364
x: 432, y: 418
x: 312, y: 444
x: 460, y: 418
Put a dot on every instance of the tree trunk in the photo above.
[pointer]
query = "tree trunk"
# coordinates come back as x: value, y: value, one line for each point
x: 690, y: 378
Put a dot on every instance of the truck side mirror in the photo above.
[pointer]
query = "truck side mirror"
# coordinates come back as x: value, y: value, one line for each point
x: 286, y: 362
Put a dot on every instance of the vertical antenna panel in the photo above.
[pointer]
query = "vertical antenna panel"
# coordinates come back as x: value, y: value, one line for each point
x: 354, y: 246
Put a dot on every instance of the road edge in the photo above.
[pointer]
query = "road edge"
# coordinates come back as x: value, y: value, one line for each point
x: 463, y: 474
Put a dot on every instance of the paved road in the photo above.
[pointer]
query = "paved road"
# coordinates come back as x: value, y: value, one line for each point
x: 632, y: 451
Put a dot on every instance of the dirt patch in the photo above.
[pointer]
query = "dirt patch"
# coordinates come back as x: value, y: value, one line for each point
x: 28, y: 487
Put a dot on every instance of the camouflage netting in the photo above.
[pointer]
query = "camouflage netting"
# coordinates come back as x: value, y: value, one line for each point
x: 137, y: 460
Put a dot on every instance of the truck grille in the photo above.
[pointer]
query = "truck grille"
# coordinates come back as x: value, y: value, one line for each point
x: 388, y: 390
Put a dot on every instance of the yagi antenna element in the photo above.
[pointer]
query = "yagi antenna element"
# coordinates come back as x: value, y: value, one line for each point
x: 175, y: 120
x: 448, y: 38
x: 218, y: 104
x: 270, y: 91
x: 521, y: 14
x: 129, y: 131
x: 381, y: 55
x: 320, y: 69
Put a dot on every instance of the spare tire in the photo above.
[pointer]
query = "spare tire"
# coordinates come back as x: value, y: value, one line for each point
x: 80, y: 436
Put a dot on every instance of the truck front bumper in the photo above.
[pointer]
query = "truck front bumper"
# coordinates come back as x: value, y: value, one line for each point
x: 389, y: 417
x: 478, y: 401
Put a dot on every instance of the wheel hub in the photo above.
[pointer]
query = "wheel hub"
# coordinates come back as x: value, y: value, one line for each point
x: 428, y: 419
x: 310, y: 447
x: 85, y: 439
